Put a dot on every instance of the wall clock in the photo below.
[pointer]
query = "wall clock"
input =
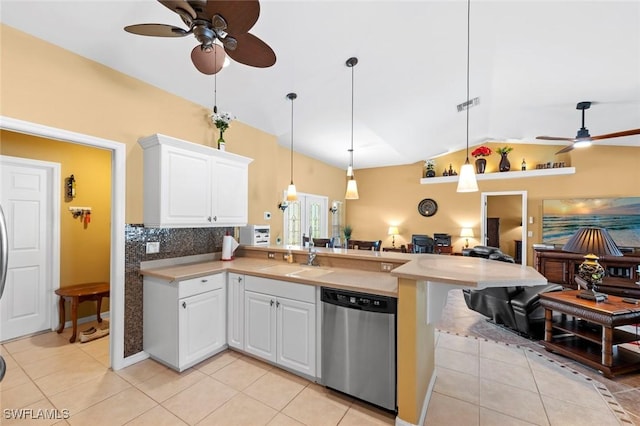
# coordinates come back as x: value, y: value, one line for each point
x: 427, y: 207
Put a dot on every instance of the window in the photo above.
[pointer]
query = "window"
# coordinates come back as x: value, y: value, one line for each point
x: 308, y: 213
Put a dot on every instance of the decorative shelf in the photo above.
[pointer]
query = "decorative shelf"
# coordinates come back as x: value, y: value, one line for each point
x: 504, y: 175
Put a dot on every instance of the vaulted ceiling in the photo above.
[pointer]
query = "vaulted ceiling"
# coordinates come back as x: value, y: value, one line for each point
x: 530, y: 63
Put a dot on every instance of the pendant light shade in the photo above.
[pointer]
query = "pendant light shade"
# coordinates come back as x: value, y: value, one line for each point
x: 352, y: 185
x: 292, y: 194
x: 467, y: 181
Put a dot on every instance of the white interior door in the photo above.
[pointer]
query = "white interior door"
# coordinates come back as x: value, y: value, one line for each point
x: 27, y: 200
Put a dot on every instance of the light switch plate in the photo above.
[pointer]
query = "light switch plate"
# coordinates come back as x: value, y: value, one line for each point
x: 153, y: 247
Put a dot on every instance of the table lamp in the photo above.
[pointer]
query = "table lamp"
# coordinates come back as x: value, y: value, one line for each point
x: 594, y: 242
x: 466, y: 233
x: 393, y: 231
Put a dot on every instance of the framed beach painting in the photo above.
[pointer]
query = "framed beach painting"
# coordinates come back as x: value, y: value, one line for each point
x: 620, y: 216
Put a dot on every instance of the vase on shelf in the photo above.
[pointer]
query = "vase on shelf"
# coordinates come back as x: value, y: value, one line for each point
x: 221, y: 142
x: 481, y: 165
x: 505, y: 165
x: 430, y: 173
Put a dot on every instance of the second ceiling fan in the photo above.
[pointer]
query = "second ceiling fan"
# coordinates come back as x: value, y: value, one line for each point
x: 228, y: 22
x: 583, y: 138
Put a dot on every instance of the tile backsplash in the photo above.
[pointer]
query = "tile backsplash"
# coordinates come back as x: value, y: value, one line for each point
x: 174, y: 242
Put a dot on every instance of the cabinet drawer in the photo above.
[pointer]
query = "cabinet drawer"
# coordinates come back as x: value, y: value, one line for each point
x: 295, y: 291
x: 199, y: 285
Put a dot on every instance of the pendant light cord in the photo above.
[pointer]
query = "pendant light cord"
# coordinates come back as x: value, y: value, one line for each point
x: 292, y: 98
x: 468, y: 54
x: 351, y: 150
x: 215, y: 84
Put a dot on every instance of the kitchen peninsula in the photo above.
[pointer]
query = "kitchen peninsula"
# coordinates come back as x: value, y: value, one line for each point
x: 420, y: 283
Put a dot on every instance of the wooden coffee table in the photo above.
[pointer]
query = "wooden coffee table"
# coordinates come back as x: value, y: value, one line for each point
x: 78, y: 294
x: 590, y: 336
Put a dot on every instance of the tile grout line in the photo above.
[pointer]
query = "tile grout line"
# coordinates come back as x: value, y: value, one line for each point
x: 602, y: 390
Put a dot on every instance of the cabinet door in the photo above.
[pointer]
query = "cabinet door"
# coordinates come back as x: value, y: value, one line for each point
x: 186, y: 187
x: 202, y: 327
x: 260, y: 325
x: 556, y: 271
x: 296, y: 331
x: 230, y: 193
x: 235, y: 316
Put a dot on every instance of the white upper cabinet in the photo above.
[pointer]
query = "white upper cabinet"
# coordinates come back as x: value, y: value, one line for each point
x: 191, y: 185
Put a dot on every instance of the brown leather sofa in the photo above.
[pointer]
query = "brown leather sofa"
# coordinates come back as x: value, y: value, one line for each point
x: 516, y: 307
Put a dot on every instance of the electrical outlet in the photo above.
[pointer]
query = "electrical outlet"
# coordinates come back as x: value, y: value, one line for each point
x: 271, y: 255
x: 530, y: 234
x: 153, y: 247
x: 386, y: 267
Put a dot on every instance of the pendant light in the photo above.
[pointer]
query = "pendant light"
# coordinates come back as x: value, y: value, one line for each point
x: 467, y: 181
x: 291, y: 190
x: 352, y: 186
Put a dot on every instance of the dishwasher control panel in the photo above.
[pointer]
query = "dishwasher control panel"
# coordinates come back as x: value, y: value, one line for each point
x: 354, y: 300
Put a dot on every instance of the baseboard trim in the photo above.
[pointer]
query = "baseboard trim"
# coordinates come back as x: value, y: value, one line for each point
x: 84, y: 320
x: 133, y: 359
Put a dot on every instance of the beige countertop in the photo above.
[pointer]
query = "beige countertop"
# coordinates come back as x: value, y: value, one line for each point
x: 468, y: 271
x: 381, y: 283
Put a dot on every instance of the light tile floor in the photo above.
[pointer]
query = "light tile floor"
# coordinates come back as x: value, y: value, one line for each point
x: 479, y: 382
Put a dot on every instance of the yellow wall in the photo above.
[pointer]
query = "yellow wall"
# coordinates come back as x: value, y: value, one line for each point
x: 84, y: 249
x: 390, y: 195
x: 45, y: 84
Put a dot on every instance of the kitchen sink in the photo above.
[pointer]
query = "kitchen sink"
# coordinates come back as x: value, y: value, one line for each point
x: 311, y: 272
x: 296, y: 271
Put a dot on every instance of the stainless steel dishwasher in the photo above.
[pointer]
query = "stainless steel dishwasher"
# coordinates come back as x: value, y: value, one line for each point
x: 359, y: 345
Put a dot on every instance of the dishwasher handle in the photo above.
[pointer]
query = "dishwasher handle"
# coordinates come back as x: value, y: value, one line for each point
x: 360, y: 301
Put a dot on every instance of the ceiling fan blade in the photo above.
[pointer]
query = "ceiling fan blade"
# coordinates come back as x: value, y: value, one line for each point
x: 618, y: 134
x: 241, y: 16
x: 208, y: 62
x: 566, y: 149
x: 250, y: 50
x: 554, y: 138
x: 156, y: 30
x: 180, y: 7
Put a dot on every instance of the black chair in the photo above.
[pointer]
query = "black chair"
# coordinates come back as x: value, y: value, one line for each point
x: 322, y: 242
x: 365, y: 245
x: 516, y: 307
x: 422, y: 244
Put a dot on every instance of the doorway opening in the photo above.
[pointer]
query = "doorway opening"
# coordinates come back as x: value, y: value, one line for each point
x: 504, y: 222
x: 117, y: 246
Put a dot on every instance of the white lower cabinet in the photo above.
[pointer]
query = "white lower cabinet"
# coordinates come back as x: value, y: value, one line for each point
x: 280, y: 323
x: 184, y: 322
x: 235, y: 310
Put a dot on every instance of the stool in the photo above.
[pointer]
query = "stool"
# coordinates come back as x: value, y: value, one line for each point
x: 80, y: 293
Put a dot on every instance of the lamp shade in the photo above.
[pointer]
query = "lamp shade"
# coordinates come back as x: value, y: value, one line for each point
x: 467, y: 181
x: 393, y: 230
x: 352, y: 190
x: 292, y: 194
x: 592, y: 240
x: 466, y: 233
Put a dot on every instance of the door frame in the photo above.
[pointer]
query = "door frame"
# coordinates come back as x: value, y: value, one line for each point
x: 53, y: 171
x: 483, y: 217
x: 118, y: 189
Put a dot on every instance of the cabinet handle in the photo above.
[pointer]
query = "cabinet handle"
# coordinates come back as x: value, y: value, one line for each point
x: 184, y: 305
x: 209, y: 218
x: 215, y: 218
x: 271, y: 302
x: 239, y: 279
x: 277, y: 304
x: 204, y: 281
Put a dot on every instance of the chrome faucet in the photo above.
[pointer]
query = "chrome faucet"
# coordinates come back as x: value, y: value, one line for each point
x: 311, y: 255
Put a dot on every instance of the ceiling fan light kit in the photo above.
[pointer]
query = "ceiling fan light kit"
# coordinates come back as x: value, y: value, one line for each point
x: 227, y: 22
x: 583, y: 139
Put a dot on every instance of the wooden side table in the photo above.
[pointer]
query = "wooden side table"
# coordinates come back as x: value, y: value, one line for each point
x: 594, y: 340
x: 80, y: 293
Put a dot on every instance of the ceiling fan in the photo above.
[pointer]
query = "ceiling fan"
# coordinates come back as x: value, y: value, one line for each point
x: 228, y: 22
x: 583, y: 138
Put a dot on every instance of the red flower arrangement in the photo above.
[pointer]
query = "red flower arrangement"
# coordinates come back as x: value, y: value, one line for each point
x: 481, y: 151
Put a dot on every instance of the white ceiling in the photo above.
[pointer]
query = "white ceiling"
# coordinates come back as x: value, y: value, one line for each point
x: 531, y: 62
